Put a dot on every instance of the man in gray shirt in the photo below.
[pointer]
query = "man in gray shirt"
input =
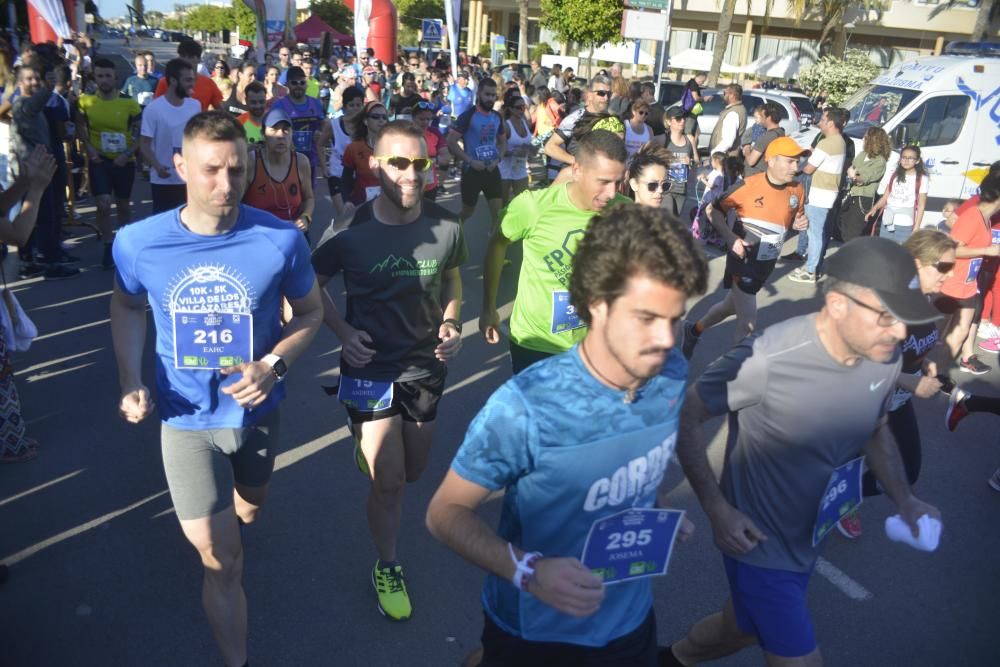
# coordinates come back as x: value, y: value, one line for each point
x: 791, y: 473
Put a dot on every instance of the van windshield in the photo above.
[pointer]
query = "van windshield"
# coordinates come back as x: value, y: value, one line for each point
x: 876, y: 105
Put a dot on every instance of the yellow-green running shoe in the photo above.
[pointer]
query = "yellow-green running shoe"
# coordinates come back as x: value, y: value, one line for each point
x: 390, y: 588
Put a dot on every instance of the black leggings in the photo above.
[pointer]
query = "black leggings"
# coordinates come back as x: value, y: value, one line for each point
x: 903, y: 426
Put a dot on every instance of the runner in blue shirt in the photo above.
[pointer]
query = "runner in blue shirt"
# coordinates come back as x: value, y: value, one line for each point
x: 214, y: 273
x: 565, y: 474
x: 462, y: 97
x: 483, y: 135
x: 307, y: 117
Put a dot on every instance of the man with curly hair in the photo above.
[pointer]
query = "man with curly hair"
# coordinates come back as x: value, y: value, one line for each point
x: 564, y: 473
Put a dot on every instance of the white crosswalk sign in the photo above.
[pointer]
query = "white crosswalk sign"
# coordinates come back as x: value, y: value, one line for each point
x: 431, y: 29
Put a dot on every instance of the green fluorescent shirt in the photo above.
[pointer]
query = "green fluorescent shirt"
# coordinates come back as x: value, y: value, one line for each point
x: 549, y: 226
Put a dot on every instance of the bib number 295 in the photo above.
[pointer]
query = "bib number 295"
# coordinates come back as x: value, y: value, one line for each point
x: 629, y: 539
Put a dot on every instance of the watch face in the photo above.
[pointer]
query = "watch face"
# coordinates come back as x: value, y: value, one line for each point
x: 280, y: 368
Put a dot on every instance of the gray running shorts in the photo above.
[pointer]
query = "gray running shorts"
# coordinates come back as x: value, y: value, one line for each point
x: 203, y: 466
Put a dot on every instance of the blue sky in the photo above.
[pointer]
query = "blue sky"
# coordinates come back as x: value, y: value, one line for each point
x: 115, y: 8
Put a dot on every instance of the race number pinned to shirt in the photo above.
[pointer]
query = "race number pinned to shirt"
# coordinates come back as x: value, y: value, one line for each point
x: 841, y: 497
x: 365, y: 395
x: 113, y: 142
x: 564, y: 315
x: 632, y: 544
x: 995, y: 234
x: 212, y: 341
x: 770, y: 247
x: 678, y: 172
x: 974, y: 265
x: 487, y: 153
x: 144, y: 98
x: 302, y: 139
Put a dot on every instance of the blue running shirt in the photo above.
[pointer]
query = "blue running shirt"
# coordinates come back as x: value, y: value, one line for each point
x: 562, y: 470
x: 246, y: 270
x: 479, y: 132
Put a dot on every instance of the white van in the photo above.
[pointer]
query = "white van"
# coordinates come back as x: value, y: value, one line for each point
x: 949, y: 105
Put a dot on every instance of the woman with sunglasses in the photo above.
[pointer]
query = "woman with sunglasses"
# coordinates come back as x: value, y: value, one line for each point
x: 647, y: 176
x: 637, y: 132
x: 514, y: 162
x: 359, y: 183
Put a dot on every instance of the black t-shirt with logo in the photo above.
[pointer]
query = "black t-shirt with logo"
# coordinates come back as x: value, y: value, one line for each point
x: 393, y: 276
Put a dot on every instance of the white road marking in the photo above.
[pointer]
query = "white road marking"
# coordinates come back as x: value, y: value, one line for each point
x: 847, y: 586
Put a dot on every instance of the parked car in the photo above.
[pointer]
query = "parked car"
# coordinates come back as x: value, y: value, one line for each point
x: 805, y: 106
x: 790, y: 115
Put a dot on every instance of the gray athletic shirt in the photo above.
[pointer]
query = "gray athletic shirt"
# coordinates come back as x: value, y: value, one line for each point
x: 392, y: 274
x: 795, y: 414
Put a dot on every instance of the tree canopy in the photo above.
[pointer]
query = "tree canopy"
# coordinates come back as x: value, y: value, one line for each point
x: 586, y: 22
x: 335, y: 13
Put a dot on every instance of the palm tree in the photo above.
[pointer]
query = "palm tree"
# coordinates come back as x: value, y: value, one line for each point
x: 721, y: 40
x: 984, y: 17
x: 831, y: 15
x: 522, y: 40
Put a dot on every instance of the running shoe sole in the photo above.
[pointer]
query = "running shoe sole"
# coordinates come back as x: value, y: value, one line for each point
x: 981, y: 369
x: 955, y: 404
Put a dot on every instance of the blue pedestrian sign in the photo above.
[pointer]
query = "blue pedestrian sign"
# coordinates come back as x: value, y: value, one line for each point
x: 431, y: 29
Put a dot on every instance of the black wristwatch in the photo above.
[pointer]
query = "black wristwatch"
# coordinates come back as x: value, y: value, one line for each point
x: 277, y: 365
x: 455, y: 323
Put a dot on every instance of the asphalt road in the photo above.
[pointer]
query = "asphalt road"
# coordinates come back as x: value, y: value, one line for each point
x: 101, y: 575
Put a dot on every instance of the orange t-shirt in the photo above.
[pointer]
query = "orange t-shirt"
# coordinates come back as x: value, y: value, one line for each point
x: 972, y: 231
x: 356, y: 157
x: 205, y: 91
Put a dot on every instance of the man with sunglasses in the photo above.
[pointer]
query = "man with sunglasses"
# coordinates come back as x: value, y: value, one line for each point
x: 307, y: 117
x: 483, y: 135
x: 559, y: 147
x: 400, y: 257
x: 765, y: 207
x: 549, y: 223
x: 790, y: 473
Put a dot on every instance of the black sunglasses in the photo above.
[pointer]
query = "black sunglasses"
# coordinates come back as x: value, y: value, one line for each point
x: 601, y: 93
x: 944, y: 267
x: 653, y: 186
x: 297, y: 82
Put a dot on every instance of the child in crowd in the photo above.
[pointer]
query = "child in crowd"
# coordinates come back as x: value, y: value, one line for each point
x: 715, y: 184
x: 949, y: 214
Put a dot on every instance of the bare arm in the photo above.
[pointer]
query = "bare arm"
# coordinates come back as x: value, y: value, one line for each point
x: 128, y: 335
x: 919, y: 214
x: 489, y: 320
x: 562, y: 583
x: 555, y: 149
x: 882, y: 457
x: 734, y: 532
x: 448, y: 333
x: 308, y: 198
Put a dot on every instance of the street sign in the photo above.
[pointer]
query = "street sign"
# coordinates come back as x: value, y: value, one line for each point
x: 648, y: 4
x: 644, y: 25
x: 431, y: 29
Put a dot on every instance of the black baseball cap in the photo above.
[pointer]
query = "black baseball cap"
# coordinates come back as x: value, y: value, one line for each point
x: 888, y: 269
x: 675, y: 112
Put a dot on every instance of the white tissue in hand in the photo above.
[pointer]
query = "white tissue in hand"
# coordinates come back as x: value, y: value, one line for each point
x: 930, y: 532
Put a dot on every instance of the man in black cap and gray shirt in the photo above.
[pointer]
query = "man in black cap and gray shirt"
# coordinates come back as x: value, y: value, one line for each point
x: 807, y: 401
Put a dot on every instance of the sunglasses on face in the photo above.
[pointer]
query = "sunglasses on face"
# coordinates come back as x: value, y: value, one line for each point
x: 403, y: 163
x: 378, y: 116
x: 653, y: 186
x: 601, y: 93
x: 297, y: 82
x: 944, y: 267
